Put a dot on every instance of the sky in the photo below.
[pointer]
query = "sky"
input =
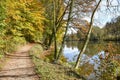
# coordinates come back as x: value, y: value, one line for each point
x: 104, y: 15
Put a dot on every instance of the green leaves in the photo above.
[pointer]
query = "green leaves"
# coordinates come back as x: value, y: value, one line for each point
x: 2, y: 16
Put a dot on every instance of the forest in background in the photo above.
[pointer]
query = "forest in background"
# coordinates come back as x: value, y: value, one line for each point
x: 110, y: 32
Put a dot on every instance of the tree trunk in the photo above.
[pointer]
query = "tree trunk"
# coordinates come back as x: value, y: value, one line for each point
x: 54, y: 31
x: 57, y: 27
x: 87, y: 38
x: 69, y: 17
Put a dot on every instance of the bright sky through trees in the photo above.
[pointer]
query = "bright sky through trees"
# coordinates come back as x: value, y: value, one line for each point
x: 107, y: 11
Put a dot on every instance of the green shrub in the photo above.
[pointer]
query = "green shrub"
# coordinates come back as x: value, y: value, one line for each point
x: 36, y: 50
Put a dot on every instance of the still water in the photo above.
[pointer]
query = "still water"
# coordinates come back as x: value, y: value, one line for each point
x: 91, y: 55
x: 72, y: 49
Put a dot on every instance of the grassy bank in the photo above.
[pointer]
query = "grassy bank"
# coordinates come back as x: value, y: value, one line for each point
x: 49, y: 71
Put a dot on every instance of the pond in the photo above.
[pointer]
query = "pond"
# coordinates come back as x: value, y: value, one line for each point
x: 91, y: 55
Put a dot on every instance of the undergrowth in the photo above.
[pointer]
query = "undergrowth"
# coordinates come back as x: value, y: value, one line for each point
x: 50, y: 71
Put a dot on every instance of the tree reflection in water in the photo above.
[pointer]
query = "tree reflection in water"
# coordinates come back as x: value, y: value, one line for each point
x: 90, y: 62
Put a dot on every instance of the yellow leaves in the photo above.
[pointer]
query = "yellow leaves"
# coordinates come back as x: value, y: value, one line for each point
x: 16, y: 17
x: 30, y: 1
x: 13, y: 31
x: 10, y: 4
x: 22, y: 1
x: 25, y: 17
x: 17, y: 12
x: 25, y: 1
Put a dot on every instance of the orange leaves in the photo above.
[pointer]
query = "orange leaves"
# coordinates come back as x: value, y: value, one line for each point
x: 111, y: 47
x: 81, y: 27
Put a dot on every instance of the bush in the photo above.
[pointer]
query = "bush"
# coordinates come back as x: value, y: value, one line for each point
x: 36, y: 50
x: 108, y: 70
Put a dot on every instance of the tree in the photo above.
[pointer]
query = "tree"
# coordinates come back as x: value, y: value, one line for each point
x: 87, y: 38
x: 54, y: 23
x: 2, y: 26
x: 67, y: 25
x: 25, y: 19
x: 20, y: 21
x: 112, y: 29
x: 59, y: 13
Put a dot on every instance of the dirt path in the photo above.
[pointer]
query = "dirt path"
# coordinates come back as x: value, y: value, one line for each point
x: 19, y: 66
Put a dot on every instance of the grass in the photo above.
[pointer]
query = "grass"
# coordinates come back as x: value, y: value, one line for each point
x: 50, y: 71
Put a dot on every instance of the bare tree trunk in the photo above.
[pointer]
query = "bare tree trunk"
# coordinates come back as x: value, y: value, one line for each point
x: 87, y: 38
x: 54, y: 30
x: 69, y: 17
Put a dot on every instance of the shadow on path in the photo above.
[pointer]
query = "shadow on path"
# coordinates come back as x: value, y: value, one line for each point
x: 19, y: 66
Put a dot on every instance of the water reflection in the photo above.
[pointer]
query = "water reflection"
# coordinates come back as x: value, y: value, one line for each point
x: 72, y: 49
x: 70, y: 53
x: 90, y: 60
